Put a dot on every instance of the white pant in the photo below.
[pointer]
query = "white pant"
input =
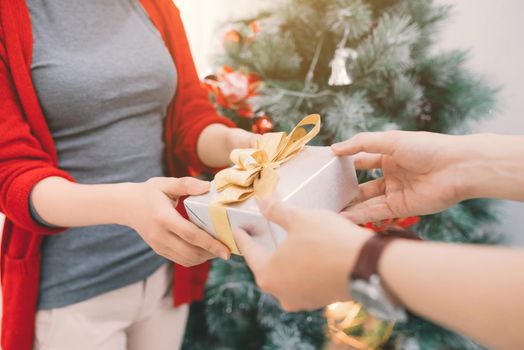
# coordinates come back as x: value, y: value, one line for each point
x: 137, y: 317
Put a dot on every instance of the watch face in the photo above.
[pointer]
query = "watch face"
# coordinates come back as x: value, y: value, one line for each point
x: 372, y: 296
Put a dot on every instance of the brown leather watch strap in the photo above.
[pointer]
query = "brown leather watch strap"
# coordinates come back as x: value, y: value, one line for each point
x: 369, y: 256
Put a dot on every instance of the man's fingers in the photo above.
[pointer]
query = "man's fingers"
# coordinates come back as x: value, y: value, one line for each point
x: 195, y: 236
x: 278, y: 212
x: 371, y: 189
x: 372, y: 210
x: 367, y: 161
x: 176, y: 187
x: 370, y: 142
x: 256, y: 255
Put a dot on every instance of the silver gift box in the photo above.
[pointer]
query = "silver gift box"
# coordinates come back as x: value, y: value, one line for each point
x: 314, y: 179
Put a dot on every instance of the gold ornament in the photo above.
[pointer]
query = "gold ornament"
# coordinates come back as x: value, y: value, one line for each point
x: 351, y: 326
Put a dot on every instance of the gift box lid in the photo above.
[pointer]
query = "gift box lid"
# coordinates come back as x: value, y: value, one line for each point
x: 297, y: 175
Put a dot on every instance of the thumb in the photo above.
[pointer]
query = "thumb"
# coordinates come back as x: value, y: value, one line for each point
x: 185, y: 186
x: 278, y: 212
x: 256, y: 255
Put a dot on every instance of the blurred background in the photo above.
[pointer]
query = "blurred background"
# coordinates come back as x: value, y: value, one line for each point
x: 491, y: 29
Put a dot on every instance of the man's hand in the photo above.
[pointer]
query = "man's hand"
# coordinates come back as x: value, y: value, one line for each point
x: 423, y: 173
x: 311, y: 268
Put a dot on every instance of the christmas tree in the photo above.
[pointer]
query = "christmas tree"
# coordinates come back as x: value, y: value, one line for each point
x: 364, y: 66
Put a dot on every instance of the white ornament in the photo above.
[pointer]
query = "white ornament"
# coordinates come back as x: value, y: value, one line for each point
x: 339, y: 73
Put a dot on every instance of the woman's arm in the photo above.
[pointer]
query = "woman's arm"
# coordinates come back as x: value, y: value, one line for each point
x: 467, y: 288
x: 217, y: 141
x: 24, y: 161
x: 147, y: 207
x: 200, y: 137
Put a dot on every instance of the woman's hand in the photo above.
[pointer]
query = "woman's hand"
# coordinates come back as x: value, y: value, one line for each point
x: 423, y: 173
x: 150, y: 209
x: 216, y: 142
x: 311, y: 268
x: 240, y: 138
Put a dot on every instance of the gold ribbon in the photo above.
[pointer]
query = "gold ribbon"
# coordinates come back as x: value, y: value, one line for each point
x: 254, y: 173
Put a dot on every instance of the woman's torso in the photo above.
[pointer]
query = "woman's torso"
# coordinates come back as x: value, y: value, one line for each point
x: 104, y: 80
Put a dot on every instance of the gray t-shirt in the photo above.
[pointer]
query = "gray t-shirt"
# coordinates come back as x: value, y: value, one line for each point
x: 104, y: 79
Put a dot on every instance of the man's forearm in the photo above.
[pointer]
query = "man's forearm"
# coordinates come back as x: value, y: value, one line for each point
x: 466, y: 288
x: 493, y: 166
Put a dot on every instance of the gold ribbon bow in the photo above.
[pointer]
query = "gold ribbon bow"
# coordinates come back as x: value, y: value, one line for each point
x: 254, y: 173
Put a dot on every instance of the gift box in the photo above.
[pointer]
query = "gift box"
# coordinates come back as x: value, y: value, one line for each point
x: 313, y: 178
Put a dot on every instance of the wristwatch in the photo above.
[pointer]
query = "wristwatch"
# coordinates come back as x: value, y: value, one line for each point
x: 366, y: 284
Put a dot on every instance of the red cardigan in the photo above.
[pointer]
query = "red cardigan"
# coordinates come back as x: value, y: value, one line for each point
x: 27, y: 155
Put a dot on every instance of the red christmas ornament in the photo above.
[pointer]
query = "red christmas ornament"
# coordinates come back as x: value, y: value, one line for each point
x: 392, y: 223
x: 254, y: 28
x: 262, y: 125
x: 233, y: 89
x: 231, y: 36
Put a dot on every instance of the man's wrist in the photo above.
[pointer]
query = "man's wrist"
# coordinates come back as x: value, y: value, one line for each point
x: 352, y: 247
x: 369, y: 283
x: 487, y: 167
x: 471, y: 166
x: 387, y: 267
x: 392, y: 293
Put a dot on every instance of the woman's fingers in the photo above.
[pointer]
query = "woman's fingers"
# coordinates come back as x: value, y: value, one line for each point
x: 194, y: 235
x: 176, y: 187
x: 372, y: 210
x: 176, y: 249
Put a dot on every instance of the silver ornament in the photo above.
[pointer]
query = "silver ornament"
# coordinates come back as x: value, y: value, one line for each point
x: 339, y: 65
x: 339, y: 72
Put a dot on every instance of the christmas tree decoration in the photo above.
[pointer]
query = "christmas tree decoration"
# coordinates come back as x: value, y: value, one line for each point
x: 394, y: 79
x: 339, y: 73
x: 254, y: 28
x: 424, y: 118
x: 233, y: 89
x: 393, y: 223
x: 350, y: 324
x: 232, y: 36
x: 263, y: 124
